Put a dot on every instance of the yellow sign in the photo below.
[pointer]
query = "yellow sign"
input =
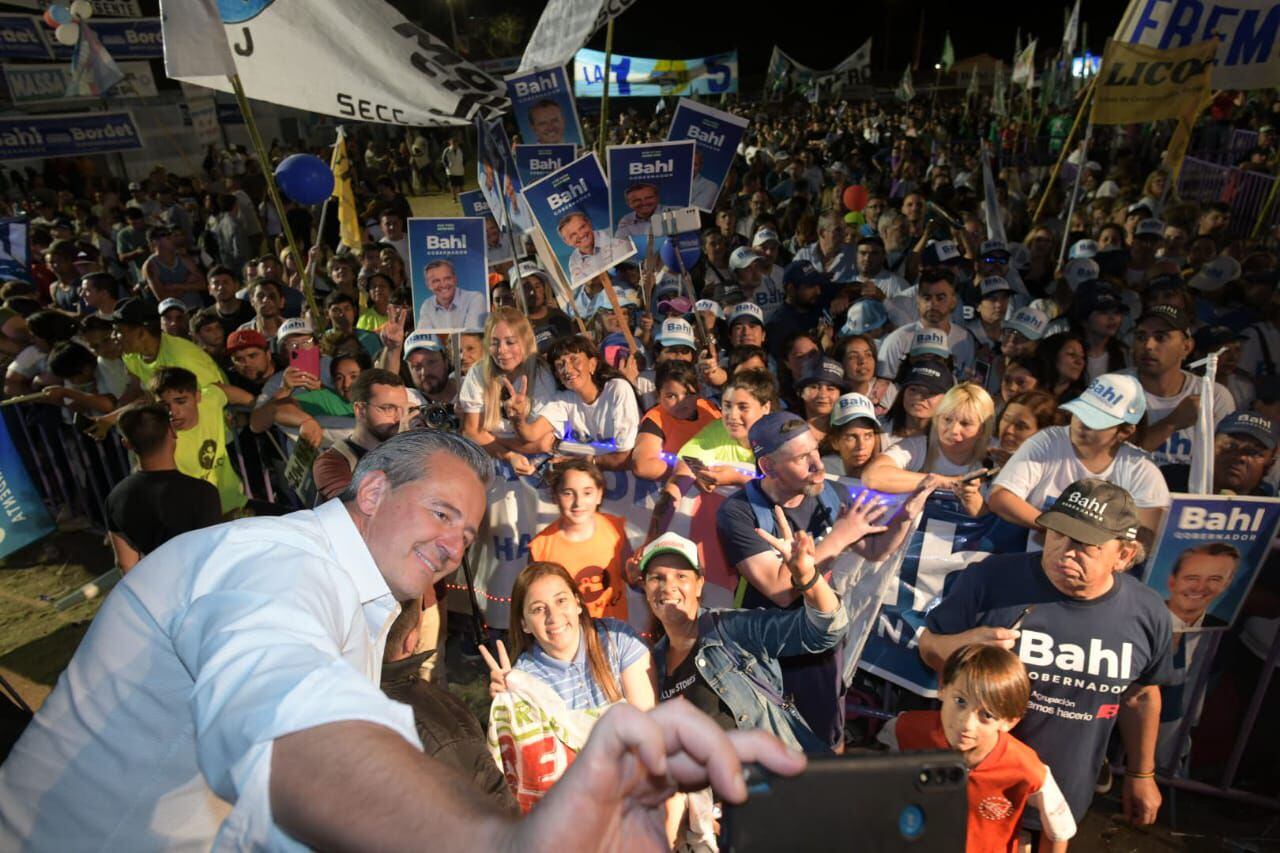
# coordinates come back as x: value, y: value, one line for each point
x: 1140, y: 84
x: 348, y: 216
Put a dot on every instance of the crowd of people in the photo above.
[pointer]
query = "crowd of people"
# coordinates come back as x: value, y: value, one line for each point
x: 914, y: 337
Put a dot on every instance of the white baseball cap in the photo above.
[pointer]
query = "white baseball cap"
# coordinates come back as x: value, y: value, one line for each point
x: 671, y: 543
x: 931, y: 342
x: 852, y: 406
x: 1080, y: 270
x: 1110, y: 400
x: 993, y: 246
x: 422, y: 340
x: 1213, y: 276
x: 677, y: 333
x: 1083, y: 249
x: 709, y: 305
x: 294, y: 326
x: 1107, y: 189
x: 526, y: 269
x: 995, y: 284
x: 1030, y: 322
x: 1149, y: 228
x: 746, y: 311
x: 764, y: 235
x: 743, y: 257
x: 171, y: 303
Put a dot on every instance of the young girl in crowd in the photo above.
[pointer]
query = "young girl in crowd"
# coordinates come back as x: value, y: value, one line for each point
x: 1063, y: 357
x: 854, y: 436
x: 1021, y: 374
x: 911, y: 412
x: 857, y: 354
x: 678, y: 416
x: 590, y: 544
x: 958, y: 439
x: 721, y: 451
x: 1023, y: 416
x: 374, y: 316
x: 1096, y: 444
x: 510, y: 360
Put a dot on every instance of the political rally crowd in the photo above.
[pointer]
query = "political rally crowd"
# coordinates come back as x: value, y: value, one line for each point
x: 854, y: 313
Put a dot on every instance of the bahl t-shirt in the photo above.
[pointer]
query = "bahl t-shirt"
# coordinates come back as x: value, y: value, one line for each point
x: 1081, y: 656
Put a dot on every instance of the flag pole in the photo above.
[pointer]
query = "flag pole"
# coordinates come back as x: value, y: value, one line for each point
x: 317, y: 318
x: 1075, y: 191
x: 602, y: 137
x: 1066, y: 146
x: 1266, y: 209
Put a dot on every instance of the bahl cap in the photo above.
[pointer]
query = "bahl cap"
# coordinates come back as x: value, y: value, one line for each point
x: 851, y: 407
x: 1093, y: 512
x: 1110, y: 400
x: 1029, y: 322
x: 424, y: 341
x: 827, y: 372
x: 865, y: 315
x: 1253, y: 425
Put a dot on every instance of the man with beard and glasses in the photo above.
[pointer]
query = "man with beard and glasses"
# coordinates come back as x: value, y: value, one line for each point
x: 380, y: 401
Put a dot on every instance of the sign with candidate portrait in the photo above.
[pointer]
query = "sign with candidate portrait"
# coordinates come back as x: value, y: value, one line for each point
x: 538, y: 161
x: 497, y: 244
x: 571, y: 209
x: 544, y: 109
x: 1208, y: 554
x: 644, y: 181
x: 449, y: 273
x: 716, y: 134
x: 15, y: 254
x: 499, y: 181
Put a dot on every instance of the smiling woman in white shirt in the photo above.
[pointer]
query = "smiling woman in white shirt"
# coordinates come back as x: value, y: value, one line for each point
x: 1104, y: 419
x: 594, y: 405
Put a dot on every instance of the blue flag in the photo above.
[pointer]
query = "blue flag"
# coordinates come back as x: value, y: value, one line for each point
x: 23, y: 517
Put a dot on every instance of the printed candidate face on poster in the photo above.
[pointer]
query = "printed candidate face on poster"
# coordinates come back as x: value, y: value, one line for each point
x: 496, y: 244
x: 537, y: 161
x: 644, y: 181
x: 15, y: 257
x: 1209, y: 552
x: 717, y: 135
x: 543, y: 106
x: 499, y: 181
x: 450, y: 274
x: 571, y: 208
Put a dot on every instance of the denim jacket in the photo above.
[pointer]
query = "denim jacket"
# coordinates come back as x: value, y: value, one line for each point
x: 737, y: 655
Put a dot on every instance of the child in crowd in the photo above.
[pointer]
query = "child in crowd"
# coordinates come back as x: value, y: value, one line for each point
x: 590, y: 544
x: 984, y: 691
x: 198, y: 417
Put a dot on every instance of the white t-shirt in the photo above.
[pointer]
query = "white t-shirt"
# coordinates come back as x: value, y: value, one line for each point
x: 909, y: 455
x: 1096, y: 365
x: 1046, y: 464
x: 471, y: 397
x: 1177, y: 448
x: 614, y: 415
x: 897, y: 346
x: 29, y: 363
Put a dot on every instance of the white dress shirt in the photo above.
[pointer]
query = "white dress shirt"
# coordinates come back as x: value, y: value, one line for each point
x: 467, y: 312
x: 607, y: 252
x: 159, y: 733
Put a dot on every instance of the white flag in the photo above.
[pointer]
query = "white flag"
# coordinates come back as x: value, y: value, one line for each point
x: 1200, y: 478
x: 860, y: 58
x: 1072, y: 31
x: 358, y: 59
x: 1024, y: 66
x: 995, y: 221
x: 564, y: 28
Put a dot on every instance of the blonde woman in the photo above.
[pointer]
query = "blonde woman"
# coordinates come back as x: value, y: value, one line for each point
x: 511, y: 355
x: 959, y: 436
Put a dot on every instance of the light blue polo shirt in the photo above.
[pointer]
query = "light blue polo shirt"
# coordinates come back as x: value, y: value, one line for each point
x: 572, y: 679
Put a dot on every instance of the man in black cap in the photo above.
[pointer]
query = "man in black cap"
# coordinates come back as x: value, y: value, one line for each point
x: 1244, y: 448
x: 1162, y: 340
x: 1095, y: 640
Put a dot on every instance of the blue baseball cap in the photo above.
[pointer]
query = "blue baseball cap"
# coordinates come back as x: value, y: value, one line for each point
x: 865, y: 315
x: 774, y: 430
x: 930, y: 342
x: 1110, y: 400
x: 801, y: 273
x: 422, y: 340
x: 1251, y: 424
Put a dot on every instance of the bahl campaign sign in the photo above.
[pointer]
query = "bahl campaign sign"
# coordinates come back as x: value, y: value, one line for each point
x: 538, y: 161
x: 644, y: 182
x: 450, y: 274
x: 543, y: 106
x: 717, y: 135
x: 497, y: 243
x: 571, y: 209
x: 1209, y: 551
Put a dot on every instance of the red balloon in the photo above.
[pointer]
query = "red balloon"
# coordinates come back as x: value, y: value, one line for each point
x: 48, y: 19
x: 855, y: 197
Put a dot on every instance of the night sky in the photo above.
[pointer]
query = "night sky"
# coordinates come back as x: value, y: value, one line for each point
x: 821, y: 38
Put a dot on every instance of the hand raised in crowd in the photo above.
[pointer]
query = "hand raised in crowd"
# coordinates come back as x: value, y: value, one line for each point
x: 517, y: 406
x: 644, y: 328
x: 629, y: 368
x: 498, y: 669
x: 53, y: 394
x: 520, y: 463
x: 312, y: 432
x: 709, y: 369
x: 100, y: 427
x: 392, y: 331
x: 799, y: 554
x: 859, y: 519
x: 297, y: 378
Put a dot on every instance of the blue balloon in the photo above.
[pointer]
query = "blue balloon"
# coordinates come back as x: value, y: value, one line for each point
x: 61, y: 14
x: 305, y: 178
x: 690, y: 251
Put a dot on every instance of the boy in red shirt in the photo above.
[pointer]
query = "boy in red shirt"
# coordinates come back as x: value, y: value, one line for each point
x: 984, y: 694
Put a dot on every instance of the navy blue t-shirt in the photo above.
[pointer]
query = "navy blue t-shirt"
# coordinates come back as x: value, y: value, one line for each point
x: 1081, y: 656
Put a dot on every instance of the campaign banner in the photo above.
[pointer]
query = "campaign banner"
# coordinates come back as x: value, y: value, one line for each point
x: 22, y: 37
x: 565, y: 26
x: 358, y: 59
x: 1209, y: 551
x: 124, y: 38
x: 542, y: 105
x: 571, y: 209
x: 40, y: 83
x: 15, y: 254
x: 1142, y: 84
x: 23, y: 516
x: 644, y: 182
x: 1247, y: 56
x: 538, y: 161
x: 449, y: 274
x: 101, y: 8
x: 717, y: 135
x: 945, y: 540
x: 499, y: 180
x: 22, y: 137
x: 497, y: 245
x: 638, y: 76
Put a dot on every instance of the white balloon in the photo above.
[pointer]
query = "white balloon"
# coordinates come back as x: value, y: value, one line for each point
x: 82, y: 9
x: 67, y: 34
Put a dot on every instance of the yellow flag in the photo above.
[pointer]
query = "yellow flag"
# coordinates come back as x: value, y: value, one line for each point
x: 348, y: 219
x: 1140, y: 84
x: 1181, y: 139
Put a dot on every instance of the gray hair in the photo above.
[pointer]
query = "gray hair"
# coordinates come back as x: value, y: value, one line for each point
x: 405, y: 458
x: 887, y: 220
x: 829, y: 221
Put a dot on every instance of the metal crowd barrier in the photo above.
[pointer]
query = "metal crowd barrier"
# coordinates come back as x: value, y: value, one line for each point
x: 1245, y: 192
